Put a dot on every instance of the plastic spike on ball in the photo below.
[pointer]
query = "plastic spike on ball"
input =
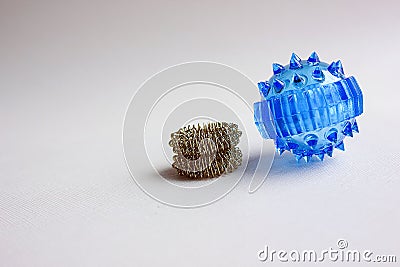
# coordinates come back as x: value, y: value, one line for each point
x: 308, y: 107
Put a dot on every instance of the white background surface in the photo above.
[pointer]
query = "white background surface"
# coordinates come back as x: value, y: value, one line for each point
x: 67, y: 72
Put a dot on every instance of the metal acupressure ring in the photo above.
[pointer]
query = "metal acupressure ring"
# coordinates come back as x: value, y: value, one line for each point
x: 206, y: 151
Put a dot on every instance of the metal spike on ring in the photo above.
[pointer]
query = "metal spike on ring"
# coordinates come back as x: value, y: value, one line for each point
x: 206, y: 151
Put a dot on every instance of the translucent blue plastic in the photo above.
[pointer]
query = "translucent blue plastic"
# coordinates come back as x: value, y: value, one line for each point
x: 308, y: 107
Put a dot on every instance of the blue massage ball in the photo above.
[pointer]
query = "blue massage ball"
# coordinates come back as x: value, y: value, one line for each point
x: 308, y: 107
